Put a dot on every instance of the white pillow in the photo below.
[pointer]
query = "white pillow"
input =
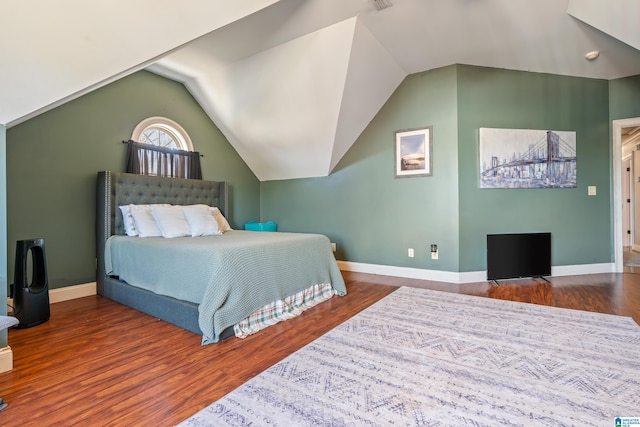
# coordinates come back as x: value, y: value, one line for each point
x: 171, y: 221
x: 223, y: 225
x: 129, y: 225
x: 144, y: 221
x: 127, y: 218
x: 201, y: 221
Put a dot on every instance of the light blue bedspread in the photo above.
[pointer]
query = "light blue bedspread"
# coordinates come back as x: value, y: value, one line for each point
x: 229, y: 276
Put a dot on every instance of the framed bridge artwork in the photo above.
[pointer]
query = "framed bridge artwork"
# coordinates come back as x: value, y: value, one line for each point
x: 413, y: 148
x: 527, y: 158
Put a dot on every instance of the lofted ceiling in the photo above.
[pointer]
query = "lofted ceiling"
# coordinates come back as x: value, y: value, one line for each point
x: 293, y: 83
x: 631, y: 137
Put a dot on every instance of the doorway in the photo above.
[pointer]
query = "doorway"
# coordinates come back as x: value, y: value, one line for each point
x: 626, y: 136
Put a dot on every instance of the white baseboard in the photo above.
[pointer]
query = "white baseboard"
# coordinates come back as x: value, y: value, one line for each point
x: 574, y: 270
x: 67, y: 293
x: 6, y: 359
x: 463, y: 277
x: 72, y: 292
x: 412, y: 273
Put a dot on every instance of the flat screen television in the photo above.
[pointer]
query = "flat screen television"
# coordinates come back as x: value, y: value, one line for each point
x: 518, y: 255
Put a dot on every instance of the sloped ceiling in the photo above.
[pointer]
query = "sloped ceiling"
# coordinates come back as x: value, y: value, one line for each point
x: 292, y: 83
x: 293, y: 110
x: 53, y: 51
x: 619, y: 19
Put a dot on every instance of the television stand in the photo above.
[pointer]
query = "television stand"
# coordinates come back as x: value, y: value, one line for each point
x: 496, y: 282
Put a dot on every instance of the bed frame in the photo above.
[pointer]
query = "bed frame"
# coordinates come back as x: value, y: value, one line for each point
x: 115, y: 189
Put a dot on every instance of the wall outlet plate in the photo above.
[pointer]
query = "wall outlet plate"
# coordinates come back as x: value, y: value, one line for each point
x: 434, y: 255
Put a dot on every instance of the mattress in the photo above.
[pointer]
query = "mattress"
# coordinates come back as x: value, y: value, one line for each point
x: 229, y: 276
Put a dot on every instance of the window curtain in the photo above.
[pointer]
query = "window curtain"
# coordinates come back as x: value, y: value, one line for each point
x: 147, y: 159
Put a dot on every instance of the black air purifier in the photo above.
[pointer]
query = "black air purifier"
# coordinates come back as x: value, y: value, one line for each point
x: 30, y: 300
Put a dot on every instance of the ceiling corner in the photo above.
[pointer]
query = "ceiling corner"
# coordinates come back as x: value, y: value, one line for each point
x: 617, y: 18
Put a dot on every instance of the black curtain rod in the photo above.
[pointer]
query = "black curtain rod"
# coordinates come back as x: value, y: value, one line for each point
x: 126, y: 142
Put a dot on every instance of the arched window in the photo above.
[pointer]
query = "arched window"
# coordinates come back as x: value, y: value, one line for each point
x: 162, y: 132
x: 161, y: 147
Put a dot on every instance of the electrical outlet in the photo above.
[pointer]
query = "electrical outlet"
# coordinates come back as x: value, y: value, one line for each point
x: 333, y: 247
x: 410, y: 252
x: 434, y: 251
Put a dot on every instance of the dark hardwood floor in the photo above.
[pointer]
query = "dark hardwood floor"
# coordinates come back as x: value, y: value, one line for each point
x: 98, y: 363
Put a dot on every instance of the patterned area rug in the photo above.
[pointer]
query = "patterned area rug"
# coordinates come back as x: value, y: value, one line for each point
x: 428, y: 358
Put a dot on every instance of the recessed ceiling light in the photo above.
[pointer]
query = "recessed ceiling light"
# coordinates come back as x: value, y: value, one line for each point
x: 592, y: 55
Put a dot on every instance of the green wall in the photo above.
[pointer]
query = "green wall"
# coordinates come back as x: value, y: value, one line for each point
x: 372, y: 216
x: 54, y: 158
x: 624, y: 98
x: 580, y: 225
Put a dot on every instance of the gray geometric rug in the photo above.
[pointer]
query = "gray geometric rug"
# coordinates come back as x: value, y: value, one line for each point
x: 429, y: 358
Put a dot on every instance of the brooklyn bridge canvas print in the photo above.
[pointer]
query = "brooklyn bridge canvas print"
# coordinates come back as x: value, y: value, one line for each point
x: 527, y: 158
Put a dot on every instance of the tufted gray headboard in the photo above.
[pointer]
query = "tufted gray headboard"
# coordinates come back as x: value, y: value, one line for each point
x: 115, y: 189
x: 118, y: 189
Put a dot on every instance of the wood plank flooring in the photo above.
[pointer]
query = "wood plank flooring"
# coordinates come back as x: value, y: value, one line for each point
x: 98, y: 363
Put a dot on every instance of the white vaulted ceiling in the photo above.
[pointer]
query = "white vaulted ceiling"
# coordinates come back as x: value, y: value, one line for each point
x: 292, y: 110
x: 292, y: 83
x: 52, y: 51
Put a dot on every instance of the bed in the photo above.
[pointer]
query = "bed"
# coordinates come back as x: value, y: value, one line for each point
x: 216, y: 286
